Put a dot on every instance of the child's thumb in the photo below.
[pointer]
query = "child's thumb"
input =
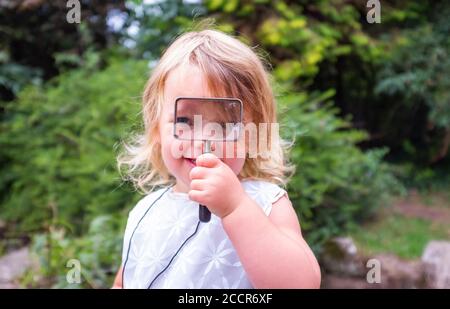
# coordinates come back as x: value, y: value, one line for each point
x: 207, y: 160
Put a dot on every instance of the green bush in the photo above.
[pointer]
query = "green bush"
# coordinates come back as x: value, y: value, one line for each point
x: 98, y: 252
x: 415, y: 80
x: 335, y: 184
x: 391, y: 77
x: 57, y: 148
x: 59, y: 177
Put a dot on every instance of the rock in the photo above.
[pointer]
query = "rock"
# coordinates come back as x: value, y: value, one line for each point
x: 399, y: 274
x: 12, y: 266
x: 340, y: 256
x: 344, y: 282
x: 345, y: 268
x: 436, y: 261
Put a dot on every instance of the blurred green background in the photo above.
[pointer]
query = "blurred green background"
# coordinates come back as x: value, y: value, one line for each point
x: 367, y: 104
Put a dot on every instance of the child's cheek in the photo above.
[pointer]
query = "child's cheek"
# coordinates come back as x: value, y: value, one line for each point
x: 235, y: 165
x: 176, y: 148
x: 228, y: 150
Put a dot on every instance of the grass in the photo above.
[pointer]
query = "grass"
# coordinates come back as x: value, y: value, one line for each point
x: 405, y: 237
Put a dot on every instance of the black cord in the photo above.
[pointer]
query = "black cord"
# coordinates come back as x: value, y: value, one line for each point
x: 167, y: 266
x: 129, y: 243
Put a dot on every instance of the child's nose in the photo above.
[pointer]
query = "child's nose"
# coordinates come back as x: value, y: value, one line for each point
x: 198, y: 145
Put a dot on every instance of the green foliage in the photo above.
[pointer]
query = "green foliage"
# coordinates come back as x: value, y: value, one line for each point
x: 57, y: 147
x: 36, y: 40
x: 417, y: 74
x: 14, y: 77
x: 98, y: 253
x: 156, y: 24
x: 59, y: 177
x: 299, y: 37
x: 335, y: 184
x: 391, y: 77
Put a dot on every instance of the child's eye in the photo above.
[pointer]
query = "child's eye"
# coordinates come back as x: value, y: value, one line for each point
x: 182, y: 120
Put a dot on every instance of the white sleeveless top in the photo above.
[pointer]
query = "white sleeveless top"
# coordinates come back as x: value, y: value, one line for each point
x: 169, y: 248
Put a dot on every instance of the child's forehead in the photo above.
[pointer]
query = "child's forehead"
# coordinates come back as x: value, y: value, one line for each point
x: 186, y: 81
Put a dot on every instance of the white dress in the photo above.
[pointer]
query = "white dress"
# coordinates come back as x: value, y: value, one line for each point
x: 165, y: 246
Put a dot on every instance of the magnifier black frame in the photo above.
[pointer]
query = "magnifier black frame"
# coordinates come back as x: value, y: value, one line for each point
x: 218, y: 100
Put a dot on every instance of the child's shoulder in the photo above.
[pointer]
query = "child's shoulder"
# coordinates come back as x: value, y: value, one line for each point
x: 263, y: 191
x: 147, y: 201
x: 261, y: 185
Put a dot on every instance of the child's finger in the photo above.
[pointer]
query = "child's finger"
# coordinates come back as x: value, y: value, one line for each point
x: 198, y: 184
x: 196, y: 196
x: 198, y: 172
x: 208, y: 160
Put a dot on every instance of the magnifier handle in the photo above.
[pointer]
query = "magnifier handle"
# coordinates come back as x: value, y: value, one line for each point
x: 203, y: 212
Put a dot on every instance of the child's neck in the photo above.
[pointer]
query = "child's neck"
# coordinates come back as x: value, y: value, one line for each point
x: 180, y: 188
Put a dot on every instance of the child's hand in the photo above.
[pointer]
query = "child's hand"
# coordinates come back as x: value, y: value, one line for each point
x: 215, y: 185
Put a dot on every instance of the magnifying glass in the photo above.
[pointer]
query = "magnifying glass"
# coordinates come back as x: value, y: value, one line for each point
x: 207, y: 120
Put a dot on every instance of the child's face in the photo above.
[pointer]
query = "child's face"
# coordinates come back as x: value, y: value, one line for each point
x: 187, y: 81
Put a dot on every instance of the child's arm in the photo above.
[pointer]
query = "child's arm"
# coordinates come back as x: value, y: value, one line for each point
x: 271, y: 248
x: 118, y: 280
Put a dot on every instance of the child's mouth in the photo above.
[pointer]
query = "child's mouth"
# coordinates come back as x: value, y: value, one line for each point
x: 191, y: 161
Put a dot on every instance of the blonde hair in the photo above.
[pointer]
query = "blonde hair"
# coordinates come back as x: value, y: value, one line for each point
x: 232, y: 69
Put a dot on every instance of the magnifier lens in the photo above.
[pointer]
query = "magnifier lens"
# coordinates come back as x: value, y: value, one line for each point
x: 208, y: 119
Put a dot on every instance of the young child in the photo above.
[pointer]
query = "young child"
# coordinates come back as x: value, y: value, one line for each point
x: 253, y: 239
